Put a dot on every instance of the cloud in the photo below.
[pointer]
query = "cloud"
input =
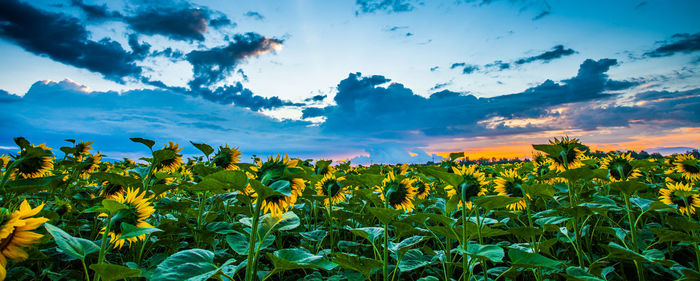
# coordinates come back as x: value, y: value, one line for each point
x: 680, y: 43
x: 388, y: 6
x: 316, y: 98
x: 640, y: 5
x: 238, y: 95
x: 557, y: 51
x: 254, y: 15
x: 393, y: 153
x: 95, y: 12
x: 466, y: 68
x: 64, y: 39
x: 139, y: 50
x: 439, y: 86
x: 499, y: 65
x: 365, y: 107
x: 185, y: 23
x: 212, y: 65
x: 434, y: 68
x: 541, y: 15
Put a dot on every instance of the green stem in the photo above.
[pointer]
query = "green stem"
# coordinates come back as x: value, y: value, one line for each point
x: 385, y: 259
x: 87, y: 275
x: 6, y: 175
x: 484, y: 267
x: 532, y: 236
x: 330, y: 219
x: 250, y: 267
x: 633, y: 232
x: 143, y: 246
x: 103, y: 245
x: 465, y: 267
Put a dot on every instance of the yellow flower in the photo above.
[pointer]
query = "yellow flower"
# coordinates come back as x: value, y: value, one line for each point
x: 397, y: 194
x: 422, y: 189
x: 16, y: 233
x: 82, y: 149
x: 509, y: 183
x: 619, y: 166
x: 91, y: 164
x: 272, y: 171
x: 171, y: 165
x: 36, y: 162
x: 473, y: 184
x: 227, y: 157
x: 139, y: 208
x: 688, y: 166
x: 4, y: 159
x: 337, y: 193
x: 572, y: 154
x: 682, y: 195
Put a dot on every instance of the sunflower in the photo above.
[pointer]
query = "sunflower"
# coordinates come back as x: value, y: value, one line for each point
x: 682, y: 195
x: 227, y: 158
x: 170, y: 165
x: 570, y: 156
x: 272, y: 171
x: 36, y: 161
x: 138, y: 210
x: 509, y: 183
x: 4, y: 159
x: 472, y: 185
x: 90, y: 165
x: 422, y: 189
x: 16, y: 233
x: 688, y: 167
x: 619, y: 166
x: 331, y: 186
x: 397, y: 194
x: 82, y: 149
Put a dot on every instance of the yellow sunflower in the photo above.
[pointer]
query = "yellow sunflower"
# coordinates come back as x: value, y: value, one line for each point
x: 139, y: 208
x: 397, y: 194
x: 36, y: 162
x: 331, y: 186
x: 171, y: 165
x: 422, y: 189
x: 688, y: 167
x: 682, y: 195
x: 509, y: 183
x: 619, y: 166
x: 227, y: 158
x: 16, y: 233
x: 473, y: 184
x: 571, y: 154
x: 82, y: 149
x: 4, y: 159
x: 91, y: 164
x: 272, y: 171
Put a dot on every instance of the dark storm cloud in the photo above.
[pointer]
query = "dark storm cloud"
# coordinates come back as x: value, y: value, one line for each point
x: 64, y: 39
x: 311, y: 112
x: 181, y: 22
x: 541, y: 15
x: 254, y: 15
x: 389, y: 6
x: 138, y: 49
x: 238, y: 95
x: 169, y: 53
x: 680, y: 43
x: 212, y: 65
x: 316, y: 98
x: 457, y: 64
x: 557, y: 51
x: 466, y: 68
x: 364, y: 106
x: 95, y: 12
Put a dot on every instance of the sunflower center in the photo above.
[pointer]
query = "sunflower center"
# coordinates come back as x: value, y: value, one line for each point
x: 620, y: 168
x: 693, y: 169
x: 421, y: 188
x: 396, y: 193
x: 223, y: 160
x: 123, y: 216
x: 31, y: 165
x: 678, y: 200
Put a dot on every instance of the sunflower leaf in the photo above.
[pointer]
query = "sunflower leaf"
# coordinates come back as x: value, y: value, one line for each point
x: 113, y: 206
x: 145, y: 142
x: 357, y: 263
x: 112, y: 272
x: 130, y: 231
x: 491, y: 252
x: 384, y: 215
x: 492, y: 202
x: 204, y: 148
x: 298, y: 258
x: 520, y: 258
x: 192, y: 264
x: 73, y: 246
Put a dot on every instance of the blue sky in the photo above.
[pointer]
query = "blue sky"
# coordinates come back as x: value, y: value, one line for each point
x: 383, y: 80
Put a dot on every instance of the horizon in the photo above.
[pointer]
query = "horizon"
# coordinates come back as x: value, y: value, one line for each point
x: 396, y: 81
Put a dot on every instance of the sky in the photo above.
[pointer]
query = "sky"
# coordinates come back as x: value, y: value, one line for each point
x: 371, y: 81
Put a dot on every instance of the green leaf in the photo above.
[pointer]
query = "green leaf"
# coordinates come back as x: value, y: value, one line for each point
x: 285, y: 222
x: 298, y: 258
x: 146, y: 142
x: 451, y: 179
x: 543, y: 190
x: 203, y: 147
x: 651, y: 256
x: 112, y: 272
x: 492, y: 202
x: 666, y: 235
x: 551, y: 220
x: 280, y: 187
x: 579, y: 274
x: 192, y: 264
x: 628, y: 187
x: 130, y: 231
x: 413, y: 259
x: 73, y: 246
x: 314, y: 236
x: 22, y: 142
x: 384, y: 215
x: 406, y: 244
x: 113, y: 206
x: 239, y: 242
x: 163, y: 155
x: 521, y: 258
x: 491, y: 252
x: 369, y: 233
x: 455, y: 155
x: 222, y: 180
x: 357, y: 263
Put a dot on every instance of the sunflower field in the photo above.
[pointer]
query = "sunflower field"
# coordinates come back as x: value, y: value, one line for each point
x: 566, y: 215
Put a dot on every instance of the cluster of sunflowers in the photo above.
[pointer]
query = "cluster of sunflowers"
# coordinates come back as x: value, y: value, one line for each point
x: 138, y: 216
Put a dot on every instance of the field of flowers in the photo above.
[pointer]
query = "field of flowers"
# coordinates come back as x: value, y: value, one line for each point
x: 566, y: 215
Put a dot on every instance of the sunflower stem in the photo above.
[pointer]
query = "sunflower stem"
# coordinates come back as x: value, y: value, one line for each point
x: 385, y: 259
x: 103, y: 245
x: 87, y: 274
x: 8, y: 171
x: 250, y: 267
x: 465, y: 266
x: 484, y: 267
x: 633, y: 233
x: 330, y: 218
